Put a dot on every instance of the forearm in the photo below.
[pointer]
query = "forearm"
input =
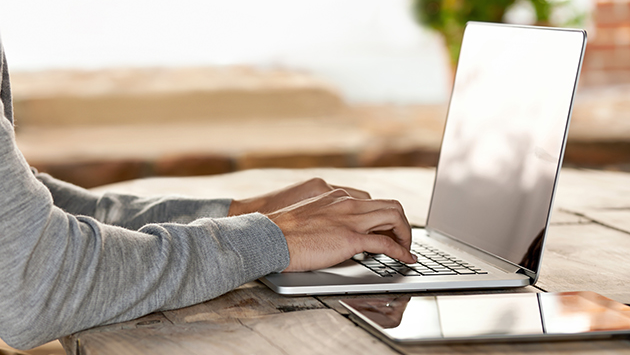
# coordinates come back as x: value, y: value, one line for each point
x: 73, y: 273
x: 62, y: 273
x: 128, y: 211
x: 70, y: 198
x: 133, y: 212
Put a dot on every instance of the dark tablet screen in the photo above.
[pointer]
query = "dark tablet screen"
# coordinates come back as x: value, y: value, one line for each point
x: 493, y: 316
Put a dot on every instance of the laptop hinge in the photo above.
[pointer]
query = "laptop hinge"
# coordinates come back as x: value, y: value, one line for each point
x: 483, y: 255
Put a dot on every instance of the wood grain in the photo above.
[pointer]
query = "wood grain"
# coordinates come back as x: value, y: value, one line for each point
x: 581, y: 190
x: 250, y: 300
x: 223, y: 337
x: 617, y: 218
x: 587, y: 257
x: 316, y: 332
x: 71, y: 343
x: 564, y: 217
x: 321, y: 331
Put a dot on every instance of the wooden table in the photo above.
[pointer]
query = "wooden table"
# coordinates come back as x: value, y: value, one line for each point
x: 588, y: 249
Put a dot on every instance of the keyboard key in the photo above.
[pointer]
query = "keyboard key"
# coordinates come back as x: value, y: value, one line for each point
x: 380, y: 268
x: 401, y: 268
x: 423, y: 271
x: 431, y: 265
x: 431, y: 261
x: 391, y: 262
x: 370, y: 263
x: 384, y: 272
x: 410, y: 272
x: 446, y: 273
x: 385, y: 275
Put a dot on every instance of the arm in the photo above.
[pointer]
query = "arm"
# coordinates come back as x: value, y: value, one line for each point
x: 128, y: 211
x: 62, y: 273
x: 133, y: 212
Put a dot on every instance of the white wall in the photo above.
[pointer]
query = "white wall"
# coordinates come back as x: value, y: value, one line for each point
x: 371, y: 49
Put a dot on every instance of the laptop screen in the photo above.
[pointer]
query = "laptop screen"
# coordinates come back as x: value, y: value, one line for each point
x: 504, y: 138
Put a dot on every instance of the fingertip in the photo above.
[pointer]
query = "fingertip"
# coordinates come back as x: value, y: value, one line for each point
x: 410, y: 258
x: 390, y: 248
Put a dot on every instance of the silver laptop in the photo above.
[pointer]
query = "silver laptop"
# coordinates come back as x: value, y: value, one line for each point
x: 501, y: 154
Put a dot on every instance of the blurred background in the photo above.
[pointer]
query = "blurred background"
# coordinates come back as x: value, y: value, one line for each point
x: 112, y: 90
x: 107, y: 91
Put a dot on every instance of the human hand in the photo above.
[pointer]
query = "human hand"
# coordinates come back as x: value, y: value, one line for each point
x: 288, y: 196
x: 327, y: 229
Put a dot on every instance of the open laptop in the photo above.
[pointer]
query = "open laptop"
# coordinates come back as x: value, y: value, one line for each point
x: 499, y: 163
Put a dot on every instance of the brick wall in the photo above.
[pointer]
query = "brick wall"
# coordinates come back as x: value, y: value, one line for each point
x: 607, y: 57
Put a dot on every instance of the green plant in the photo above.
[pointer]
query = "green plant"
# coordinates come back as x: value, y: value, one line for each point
x: 450, y: 16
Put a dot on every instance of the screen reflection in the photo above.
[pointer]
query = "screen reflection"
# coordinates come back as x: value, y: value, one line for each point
x: 504, y: 138
x: 491, y: 316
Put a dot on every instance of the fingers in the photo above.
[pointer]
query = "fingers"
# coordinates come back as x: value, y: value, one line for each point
x: 360, y: 194
x: 324, y: 230
x: 371, y: 215
x: 390, y: 223
x: 294, y: 194
x: 382, y: 244
x: 383, y: 219
x: 390, y: 209
x: 319, y: 186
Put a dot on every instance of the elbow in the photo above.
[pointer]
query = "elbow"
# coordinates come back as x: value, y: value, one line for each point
x: 26, y: 323
x: 22, y: 337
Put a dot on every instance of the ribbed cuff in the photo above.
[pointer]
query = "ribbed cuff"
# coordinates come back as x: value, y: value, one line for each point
x: 259, y: 242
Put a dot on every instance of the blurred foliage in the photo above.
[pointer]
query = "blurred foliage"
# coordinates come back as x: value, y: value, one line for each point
x: 449, y: 17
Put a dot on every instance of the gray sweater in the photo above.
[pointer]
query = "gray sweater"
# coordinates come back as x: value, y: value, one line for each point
x: 71, y: 259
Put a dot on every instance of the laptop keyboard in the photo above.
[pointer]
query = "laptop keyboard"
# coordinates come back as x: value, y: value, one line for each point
x: 431, y: 261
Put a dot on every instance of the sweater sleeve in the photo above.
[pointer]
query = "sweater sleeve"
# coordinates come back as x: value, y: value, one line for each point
x: 63, y: 273
x: 128, y: 211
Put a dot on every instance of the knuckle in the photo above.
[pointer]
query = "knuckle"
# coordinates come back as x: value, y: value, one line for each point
x: 345, y: 203
x: 316, y: 181
x: 393, y: 213
x: 318, y: 184
x: 348, y: 201
x: 396, y: 204
x: 341, y: 193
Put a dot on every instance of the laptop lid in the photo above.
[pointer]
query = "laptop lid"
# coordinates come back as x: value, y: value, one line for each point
x: 504, y: 139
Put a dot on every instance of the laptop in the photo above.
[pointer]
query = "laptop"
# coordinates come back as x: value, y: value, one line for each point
x: 500, y: 158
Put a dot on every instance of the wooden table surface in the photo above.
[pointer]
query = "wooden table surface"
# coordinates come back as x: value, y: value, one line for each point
x: 588, y: 248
